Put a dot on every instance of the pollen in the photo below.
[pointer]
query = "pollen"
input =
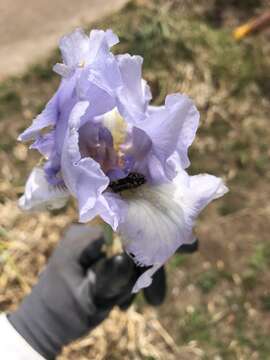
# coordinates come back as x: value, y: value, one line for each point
x: 118, y: 128
x: 81, y: 63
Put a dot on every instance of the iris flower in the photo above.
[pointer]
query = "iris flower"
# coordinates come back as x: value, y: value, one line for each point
x: 121, y: 158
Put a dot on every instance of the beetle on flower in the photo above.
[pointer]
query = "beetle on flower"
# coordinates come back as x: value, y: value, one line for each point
x: 121, y: 158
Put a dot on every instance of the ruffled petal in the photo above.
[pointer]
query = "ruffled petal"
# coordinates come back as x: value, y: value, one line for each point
x: 74, y: 48
x: 138, y: 151
x: 101, y: 42
x: 40, y: 195
x: 153, y: 229
x: 194, y: 193
x: 92, y: 85
x: 120, y: 77
x: 67, y: 98
x: 45, y: 144
x: 155, y: 226
x: 160, y: 219
x: 104, y: 73
x: 55, y: 114
x: 47, y: 118
x: 110, y: 207
x: 172, y: 129
x: 76, y: 169
x: 83, y: 176
x: 79, y: 50
x: 145, y: 279
x: 189, y: 128
x: 134, y: 94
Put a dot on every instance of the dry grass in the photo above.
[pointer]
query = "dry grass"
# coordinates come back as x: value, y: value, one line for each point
x: 218, y: 303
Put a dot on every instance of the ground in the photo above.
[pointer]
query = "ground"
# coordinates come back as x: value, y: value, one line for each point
x: 218, y: 300
x: 30, y: 31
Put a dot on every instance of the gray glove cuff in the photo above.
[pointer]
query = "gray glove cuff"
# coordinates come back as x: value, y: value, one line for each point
x: 44, y: 328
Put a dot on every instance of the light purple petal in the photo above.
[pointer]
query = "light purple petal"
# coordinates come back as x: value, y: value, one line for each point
x: 83, y: 176
x: 120, y: 77
x: 156, y: 174
x: 53, y: 143
x: 45, y: 144
x: 160, y: 218
x: 137, y: 148
x: 141, y: 143
x: 110, y: 207
x: 105, y: 74
x: 172, y: 129
x: 63, y: 70
x: 55, y: 113
x: 96, y: 141
x: 134, y: 94
x: 78, y: 171
x: 145, y: 279
x: 196, y: 192
x: 101, y: 42
x: 79, y: 50
x: 52, y: 170
x: 67, y: 98
x: 154, y: 227
x: 40, y: 195
x: 100, y: 97
x: 47, y: 118
x: 189, y: 128
x: 74, y: 48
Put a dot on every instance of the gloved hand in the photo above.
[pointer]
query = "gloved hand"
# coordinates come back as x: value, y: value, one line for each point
x: 110, y: 280
x: 62, y: 307
x: 77, y: 290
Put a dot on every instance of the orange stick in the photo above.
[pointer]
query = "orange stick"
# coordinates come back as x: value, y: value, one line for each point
x: 257, y: 24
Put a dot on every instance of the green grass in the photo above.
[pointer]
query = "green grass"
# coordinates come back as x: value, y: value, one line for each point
x: 3, y: 232
x: 258, y: 263
x: 250, y: 279
x: 196, y: 326
x: 265, y: 302
x: 260, y: 260
x: 208, y: 280
x: 10, y: 100
x: 178, y: 260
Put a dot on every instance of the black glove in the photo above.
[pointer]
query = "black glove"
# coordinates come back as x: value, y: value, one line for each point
x: 111, y: 282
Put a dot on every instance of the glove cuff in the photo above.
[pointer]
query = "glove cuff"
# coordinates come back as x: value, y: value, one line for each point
x: 28, y: 320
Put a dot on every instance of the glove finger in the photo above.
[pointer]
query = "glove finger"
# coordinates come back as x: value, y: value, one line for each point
x: 115, y: 278
x: 155, y: 293
x: 188, y: 248
x: 91, y: 254
x: 76, y: 238
x: 125, y: 302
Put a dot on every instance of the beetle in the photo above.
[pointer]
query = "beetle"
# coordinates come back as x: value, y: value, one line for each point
x: 132, y: 181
